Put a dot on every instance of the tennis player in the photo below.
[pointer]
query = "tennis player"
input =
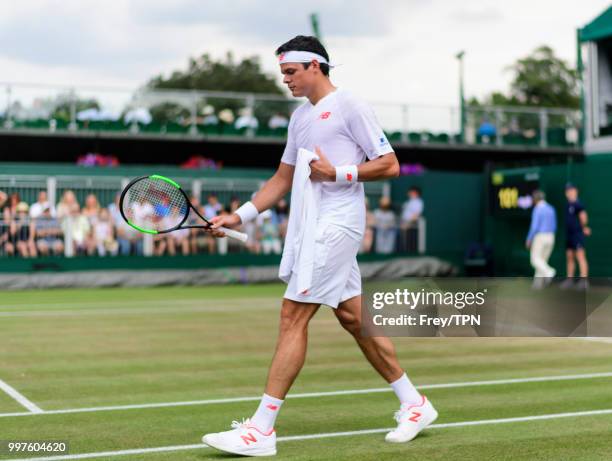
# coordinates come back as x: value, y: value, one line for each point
x: 342, y: 131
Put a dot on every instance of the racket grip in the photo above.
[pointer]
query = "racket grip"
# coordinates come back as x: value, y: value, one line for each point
x: 234, y: 234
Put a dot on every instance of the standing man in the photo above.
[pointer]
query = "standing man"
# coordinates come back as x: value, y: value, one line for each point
x: 343, y: 132
x: 576, y: 227
x: 541, y: 239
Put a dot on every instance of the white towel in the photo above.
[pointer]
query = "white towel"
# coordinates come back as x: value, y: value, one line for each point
x: 298, y: 254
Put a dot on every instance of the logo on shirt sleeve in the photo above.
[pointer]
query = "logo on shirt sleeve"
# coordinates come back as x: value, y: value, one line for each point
x: 383, y: 141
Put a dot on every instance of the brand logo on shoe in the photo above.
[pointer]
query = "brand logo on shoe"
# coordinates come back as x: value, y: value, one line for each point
x: 325, y: 115
x: 248, y: 438
x: 415, y: 417
x: 272, y: 407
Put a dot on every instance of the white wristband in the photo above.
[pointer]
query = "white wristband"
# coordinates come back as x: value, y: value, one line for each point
x: 247, y: 212
x: 346, y: 174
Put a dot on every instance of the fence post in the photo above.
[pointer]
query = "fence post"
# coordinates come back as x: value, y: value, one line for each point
x: 52, y: 190
x: 72, y: 126
x: 68, y: 243
x: 196, y: 189
x: 193, y: 129
x: 251, y: 105
x: 8, y: 123
x: 543, y: 127
x: 498, y: 127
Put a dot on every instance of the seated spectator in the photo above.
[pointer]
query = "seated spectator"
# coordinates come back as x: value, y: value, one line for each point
x: 77, y: 229
x: 21, y: 232
x: 48, y: 234
x: 104, y: 239
x: 282, y: 217
x: 10, y: 209
x: 246, y: 119
x: 277, y: 121
x: 209, y: 116
x: 128, y: 239
x: 269, y: 235
x: 4, y: 226
x: 385, y: 227
x: 37, y: 208
x: 66, y: 204
x: 91, y: 208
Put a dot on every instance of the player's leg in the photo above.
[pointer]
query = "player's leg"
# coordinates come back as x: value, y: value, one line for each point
x: 583, y: 283
x: 256, y: 437
x: 379, y: 351
x: 416, y: 412
x: 290, y: 346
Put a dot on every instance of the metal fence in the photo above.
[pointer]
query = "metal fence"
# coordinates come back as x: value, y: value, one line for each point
x: 196, y: 113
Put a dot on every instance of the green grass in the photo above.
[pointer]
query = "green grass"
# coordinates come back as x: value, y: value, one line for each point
x: 67, y: 349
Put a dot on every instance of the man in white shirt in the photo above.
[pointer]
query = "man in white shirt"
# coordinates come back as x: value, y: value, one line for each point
x: 37, y: 208
x: 343, y: 132
x: 411, y: 212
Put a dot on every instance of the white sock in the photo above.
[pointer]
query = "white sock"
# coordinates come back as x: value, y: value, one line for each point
x: 405, y: 391
x: 266, y: 413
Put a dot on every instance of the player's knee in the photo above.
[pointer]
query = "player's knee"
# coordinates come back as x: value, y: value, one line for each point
x: 293, y: 319
x: 349, y: 321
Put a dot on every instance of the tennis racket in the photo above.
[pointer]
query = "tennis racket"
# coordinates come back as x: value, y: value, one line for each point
x: 158, y: 205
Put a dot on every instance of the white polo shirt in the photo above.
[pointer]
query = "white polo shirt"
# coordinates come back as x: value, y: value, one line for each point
x: 346, y: 130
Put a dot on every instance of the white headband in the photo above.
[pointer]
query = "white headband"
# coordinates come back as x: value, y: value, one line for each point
x: 301, y: 56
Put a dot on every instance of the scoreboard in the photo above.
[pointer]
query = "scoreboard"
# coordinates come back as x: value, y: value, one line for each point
x: 510, y: 191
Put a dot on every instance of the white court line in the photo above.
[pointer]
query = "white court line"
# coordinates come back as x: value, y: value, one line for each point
x: 138, y: 451
x: 21, y: 399
x: 319, y: 394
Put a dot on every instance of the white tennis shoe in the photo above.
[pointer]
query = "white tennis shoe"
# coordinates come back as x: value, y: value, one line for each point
x: 243, y: 439
x: 411, y: 420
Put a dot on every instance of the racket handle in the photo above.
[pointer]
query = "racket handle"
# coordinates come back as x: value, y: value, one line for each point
x: 234, y: 234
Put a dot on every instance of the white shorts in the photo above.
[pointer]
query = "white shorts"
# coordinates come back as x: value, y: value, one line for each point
x: 336, y: 275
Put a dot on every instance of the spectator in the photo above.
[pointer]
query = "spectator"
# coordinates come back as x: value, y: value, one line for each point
x: 278, y: 121
x: 541, y: 239
x: 77, y: 227
x: 576, y: 228
x: 209, y: 116
x: 103, y: 237
x: 282, y: 217
x: 128, y: 238
x: 48, y: 233
x: 385, y: 225
x: 37, y: 207
x: 4, y: 224
x: 21, y: 232
x: 246, y: 119
x: 411, y: 212
x: 66, y: 204
x: 269, y: 235
x: 91, y: 209
x: 10, y: 210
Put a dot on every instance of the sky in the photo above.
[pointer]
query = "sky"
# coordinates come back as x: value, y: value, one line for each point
x: 389, y: 50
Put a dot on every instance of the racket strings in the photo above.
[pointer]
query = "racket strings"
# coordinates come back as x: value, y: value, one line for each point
x: 154, y: 204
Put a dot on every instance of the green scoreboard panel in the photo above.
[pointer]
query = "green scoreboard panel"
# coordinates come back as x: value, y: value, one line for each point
x: 510, y: 191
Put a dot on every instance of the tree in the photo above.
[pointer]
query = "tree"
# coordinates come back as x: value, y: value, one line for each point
x: 540, y: 80
x: 204, y: 73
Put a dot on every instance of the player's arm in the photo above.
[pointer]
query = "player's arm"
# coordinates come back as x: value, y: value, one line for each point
x: 268, y: 196
x: 383, y: 167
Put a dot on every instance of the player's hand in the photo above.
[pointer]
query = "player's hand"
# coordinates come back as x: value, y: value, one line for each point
x: 322, y: 170
x: 228, y: 220
x: 586, y: 231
